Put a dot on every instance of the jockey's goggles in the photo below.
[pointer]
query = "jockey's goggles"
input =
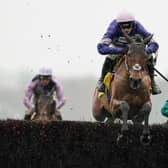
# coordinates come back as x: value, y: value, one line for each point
x: 44, y: 77
x: 126, y: 25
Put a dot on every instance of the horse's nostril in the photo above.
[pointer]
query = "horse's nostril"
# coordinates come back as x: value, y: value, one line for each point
x: 137, y: 80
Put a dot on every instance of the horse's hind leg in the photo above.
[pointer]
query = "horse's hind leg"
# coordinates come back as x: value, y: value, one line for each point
x: 101, y: 114
x: 97, y: 107
x: 97, y: 110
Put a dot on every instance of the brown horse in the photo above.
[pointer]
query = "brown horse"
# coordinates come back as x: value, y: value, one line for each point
x: 45, y: 109
x: 128, y: 96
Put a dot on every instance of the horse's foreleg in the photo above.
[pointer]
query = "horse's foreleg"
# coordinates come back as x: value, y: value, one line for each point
x: 146, y: 109
x: 124, y: 108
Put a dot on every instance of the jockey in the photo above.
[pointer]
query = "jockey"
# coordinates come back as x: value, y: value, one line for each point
x: 114, y: 45
x: 44, y: 82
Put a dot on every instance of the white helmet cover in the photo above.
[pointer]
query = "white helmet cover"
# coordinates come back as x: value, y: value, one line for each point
x: 125, y: 17
x: 45, y: 71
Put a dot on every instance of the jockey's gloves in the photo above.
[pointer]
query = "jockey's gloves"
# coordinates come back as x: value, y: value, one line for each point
x: 60, y: 104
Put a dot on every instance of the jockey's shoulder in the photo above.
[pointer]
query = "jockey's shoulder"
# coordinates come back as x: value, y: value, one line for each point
x: 138, y: 23
x: 114, y: 25
x: 55, y: 79
x: 35, y: 78
x: 114, y: 22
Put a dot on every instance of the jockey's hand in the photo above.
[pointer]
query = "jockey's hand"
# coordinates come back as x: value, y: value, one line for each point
x: 29, y: 113
x: 60, y: 103
x: 148, y: 50
x: 150, y: 57
x: 125, y: 50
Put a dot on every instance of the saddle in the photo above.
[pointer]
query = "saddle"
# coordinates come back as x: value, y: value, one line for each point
x: 110, y: 75
x: 107, y: 81
x: 109, y: 78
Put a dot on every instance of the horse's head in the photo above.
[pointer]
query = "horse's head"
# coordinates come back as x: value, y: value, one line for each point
x: 44, y: 101
x: 136, y: 60
x: 45, y: 107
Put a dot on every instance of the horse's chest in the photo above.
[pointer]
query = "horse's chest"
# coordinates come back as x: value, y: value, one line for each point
x: 134, y: 100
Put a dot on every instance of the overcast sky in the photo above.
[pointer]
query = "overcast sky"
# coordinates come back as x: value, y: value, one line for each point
x: 63, y: 34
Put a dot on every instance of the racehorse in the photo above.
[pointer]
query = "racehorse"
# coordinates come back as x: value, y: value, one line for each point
x: 45, y: 109
x: 129, y: 94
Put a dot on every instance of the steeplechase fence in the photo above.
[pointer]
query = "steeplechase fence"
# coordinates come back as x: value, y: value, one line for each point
x: 75, y: 144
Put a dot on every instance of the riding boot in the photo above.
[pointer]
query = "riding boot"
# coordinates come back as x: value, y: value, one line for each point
x: 155, y: 87
x: 107, y: 67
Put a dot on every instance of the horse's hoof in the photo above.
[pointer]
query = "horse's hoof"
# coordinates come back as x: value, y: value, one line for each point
x: 108, y: 120
x: 145, y: 139
x: 118, y: 121
x: 130, y: 122
x: 122, y: 139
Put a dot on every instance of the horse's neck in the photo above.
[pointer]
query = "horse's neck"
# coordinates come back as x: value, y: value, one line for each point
x: 121, y: 72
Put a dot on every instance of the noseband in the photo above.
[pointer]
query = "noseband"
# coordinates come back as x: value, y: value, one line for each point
x: 136, y: 67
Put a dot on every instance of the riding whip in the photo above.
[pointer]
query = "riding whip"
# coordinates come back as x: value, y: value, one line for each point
x: 160, y: 74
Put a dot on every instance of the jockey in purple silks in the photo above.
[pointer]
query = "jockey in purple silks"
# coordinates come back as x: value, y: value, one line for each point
x: 44, y: 82
x: 114, y: 45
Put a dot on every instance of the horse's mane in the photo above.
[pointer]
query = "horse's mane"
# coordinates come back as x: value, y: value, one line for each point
x: 121, y: 60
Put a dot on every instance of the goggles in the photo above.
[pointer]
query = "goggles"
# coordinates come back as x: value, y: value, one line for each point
x: 44, y: 77
x: 126, y: 25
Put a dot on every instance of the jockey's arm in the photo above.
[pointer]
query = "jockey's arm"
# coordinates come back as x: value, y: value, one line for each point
x: 105, y: 46
x: 59, y: 94
x: 28, y: 95
x: 151, y: 50
x: 152, y: 46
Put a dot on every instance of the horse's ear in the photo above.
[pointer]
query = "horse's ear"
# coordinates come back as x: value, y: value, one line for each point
x: 148, y: 39
x: 128, y: 39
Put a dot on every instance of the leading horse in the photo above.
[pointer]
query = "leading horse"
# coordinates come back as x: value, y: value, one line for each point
x: 129, y: 92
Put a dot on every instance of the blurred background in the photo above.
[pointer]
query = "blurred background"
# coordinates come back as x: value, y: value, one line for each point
x: 78, y: 91
x: 64, y: 35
